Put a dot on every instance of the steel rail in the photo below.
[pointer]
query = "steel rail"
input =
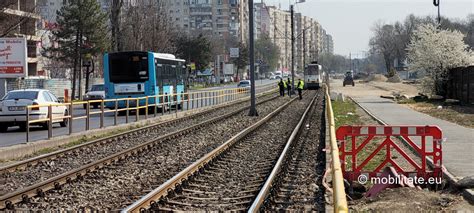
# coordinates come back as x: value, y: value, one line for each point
x: 53, y: 155
x: 145, y: 202
x: 8, y: 200
x: 265, y: 190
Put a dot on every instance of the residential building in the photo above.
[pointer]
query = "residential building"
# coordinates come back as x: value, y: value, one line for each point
x: 19, y: 18
x: 327, y: 42
x: 262, y: 21
x: 280, y: 32
x: 308, y: 40
x: 223, y: 18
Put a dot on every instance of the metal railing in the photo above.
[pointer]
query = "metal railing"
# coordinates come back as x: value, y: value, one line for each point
x: 339, y: 194
x: 168, y: 103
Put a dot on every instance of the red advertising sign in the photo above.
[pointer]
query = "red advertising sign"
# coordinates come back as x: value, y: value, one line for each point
x: 13, y: 56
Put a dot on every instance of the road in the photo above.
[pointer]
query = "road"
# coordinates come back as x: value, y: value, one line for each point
x: 16, y: 136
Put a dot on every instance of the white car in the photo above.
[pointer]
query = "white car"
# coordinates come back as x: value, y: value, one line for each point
x: 244, y: 83
x: 13, y: 108
x: 97, y: 92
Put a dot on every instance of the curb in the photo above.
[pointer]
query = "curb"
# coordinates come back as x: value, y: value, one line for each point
x: 468, y: 194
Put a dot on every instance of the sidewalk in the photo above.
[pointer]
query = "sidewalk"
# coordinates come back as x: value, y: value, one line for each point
x: 458, y: 149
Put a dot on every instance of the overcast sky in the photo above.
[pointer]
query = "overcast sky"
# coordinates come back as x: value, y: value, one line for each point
x: 350, y: 21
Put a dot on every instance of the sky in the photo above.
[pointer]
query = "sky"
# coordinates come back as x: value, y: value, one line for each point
x: 350, y: 21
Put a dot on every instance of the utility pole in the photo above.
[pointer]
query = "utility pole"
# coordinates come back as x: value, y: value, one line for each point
x: 286, y: 42
x: 292, y: 48
x: 304, y: 48
x: 350, y: 61
x: 253, y: 109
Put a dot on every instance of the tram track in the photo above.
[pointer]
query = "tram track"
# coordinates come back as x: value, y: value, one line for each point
x: 25, y: 174
x: 120, y: 171
x: 295, y: 184
x: 229, y: 177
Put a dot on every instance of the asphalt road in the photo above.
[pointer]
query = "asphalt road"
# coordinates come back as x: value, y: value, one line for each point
x: 16, y: 136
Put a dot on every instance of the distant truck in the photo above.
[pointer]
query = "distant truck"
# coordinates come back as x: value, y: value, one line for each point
x: 348, y: 79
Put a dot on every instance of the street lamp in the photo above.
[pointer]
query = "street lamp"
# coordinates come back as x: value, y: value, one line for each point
x: 436, y: 4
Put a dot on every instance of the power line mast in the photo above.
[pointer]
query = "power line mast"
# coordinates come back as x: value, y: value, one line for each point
x: 253, y: 109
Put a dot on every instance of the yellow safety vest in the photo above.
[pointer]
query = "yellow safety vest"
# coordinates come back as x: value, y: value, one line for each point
x: 284, y: 84
x: 301, y: 85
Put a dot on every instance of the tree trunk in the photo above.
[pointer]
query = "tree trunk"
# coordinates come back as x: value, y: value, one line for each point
x: 74, y: 72
x: 387, y: 63
x: 88, y: 73
x: 115, y: 24
x: 80, y: 66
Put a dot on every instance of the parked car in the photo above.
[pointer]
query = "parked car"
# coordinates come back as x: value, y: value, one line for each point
x: 96, y: 92
x: 244, y: 83
x: 275, y: 77
x: 348, y: 79
x: 13, y: 108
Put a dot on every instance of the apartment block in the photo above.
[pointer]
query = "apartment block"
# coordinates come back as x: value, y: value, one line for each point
x: 262, y: 20
x: 223, y: 18
x: 19, y: 18
x: 308, y: 40
x: 280, y: 32
x: 327, y: 42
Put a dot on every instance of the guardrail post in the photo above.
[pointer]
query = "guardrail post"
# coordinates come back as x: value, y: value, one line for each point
x: 116, y: 112
x: 137, y: 111
x: 88, y: 115
x: 71, y: 110
x: 146, y: 107
x: 187, y: 97
x: 155, y: 106
x: 201, y: 98
x: 50, y: 123
x: 127, y: 112
x: 168, y: 102
x: 181, y: 100
x: 176, y: 104
x: 162, y: 106
x: 27, y: 124
x: 102, y: 114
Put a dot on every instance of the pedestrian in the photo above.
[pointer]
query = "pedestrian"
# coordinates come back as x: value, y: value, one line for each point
x: 281, y: 86
x: 289, y: 87
x: 300, y: 88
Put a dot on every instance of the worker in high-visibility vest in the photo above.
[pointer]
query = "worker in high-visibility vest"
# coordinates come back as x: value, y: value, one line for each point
x: 281, y: 86
x: 300, y: 88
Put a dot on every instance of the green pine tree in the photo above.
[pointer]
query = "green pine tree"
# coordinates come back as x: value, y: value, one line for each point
x: 82, y: 32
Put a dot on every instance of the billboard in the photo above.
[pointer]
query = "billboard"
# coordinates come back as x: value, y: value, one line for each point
x: 228, y: 69
x: 13, y: 57
x: 234, y: 52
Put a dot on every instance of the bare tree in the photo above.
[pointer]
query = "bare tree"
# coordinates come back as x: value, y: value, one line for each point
x: 147, y: 28
x: 115, y: 22
x: 384, y: 42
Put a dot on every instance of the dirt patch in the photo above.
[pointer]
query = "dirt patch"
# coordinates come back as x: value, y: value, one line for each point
x: 377, y: 77
x: 374, y: 88
x: 394, y: 79
x: 461, y: 115
x: 411, y: 200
